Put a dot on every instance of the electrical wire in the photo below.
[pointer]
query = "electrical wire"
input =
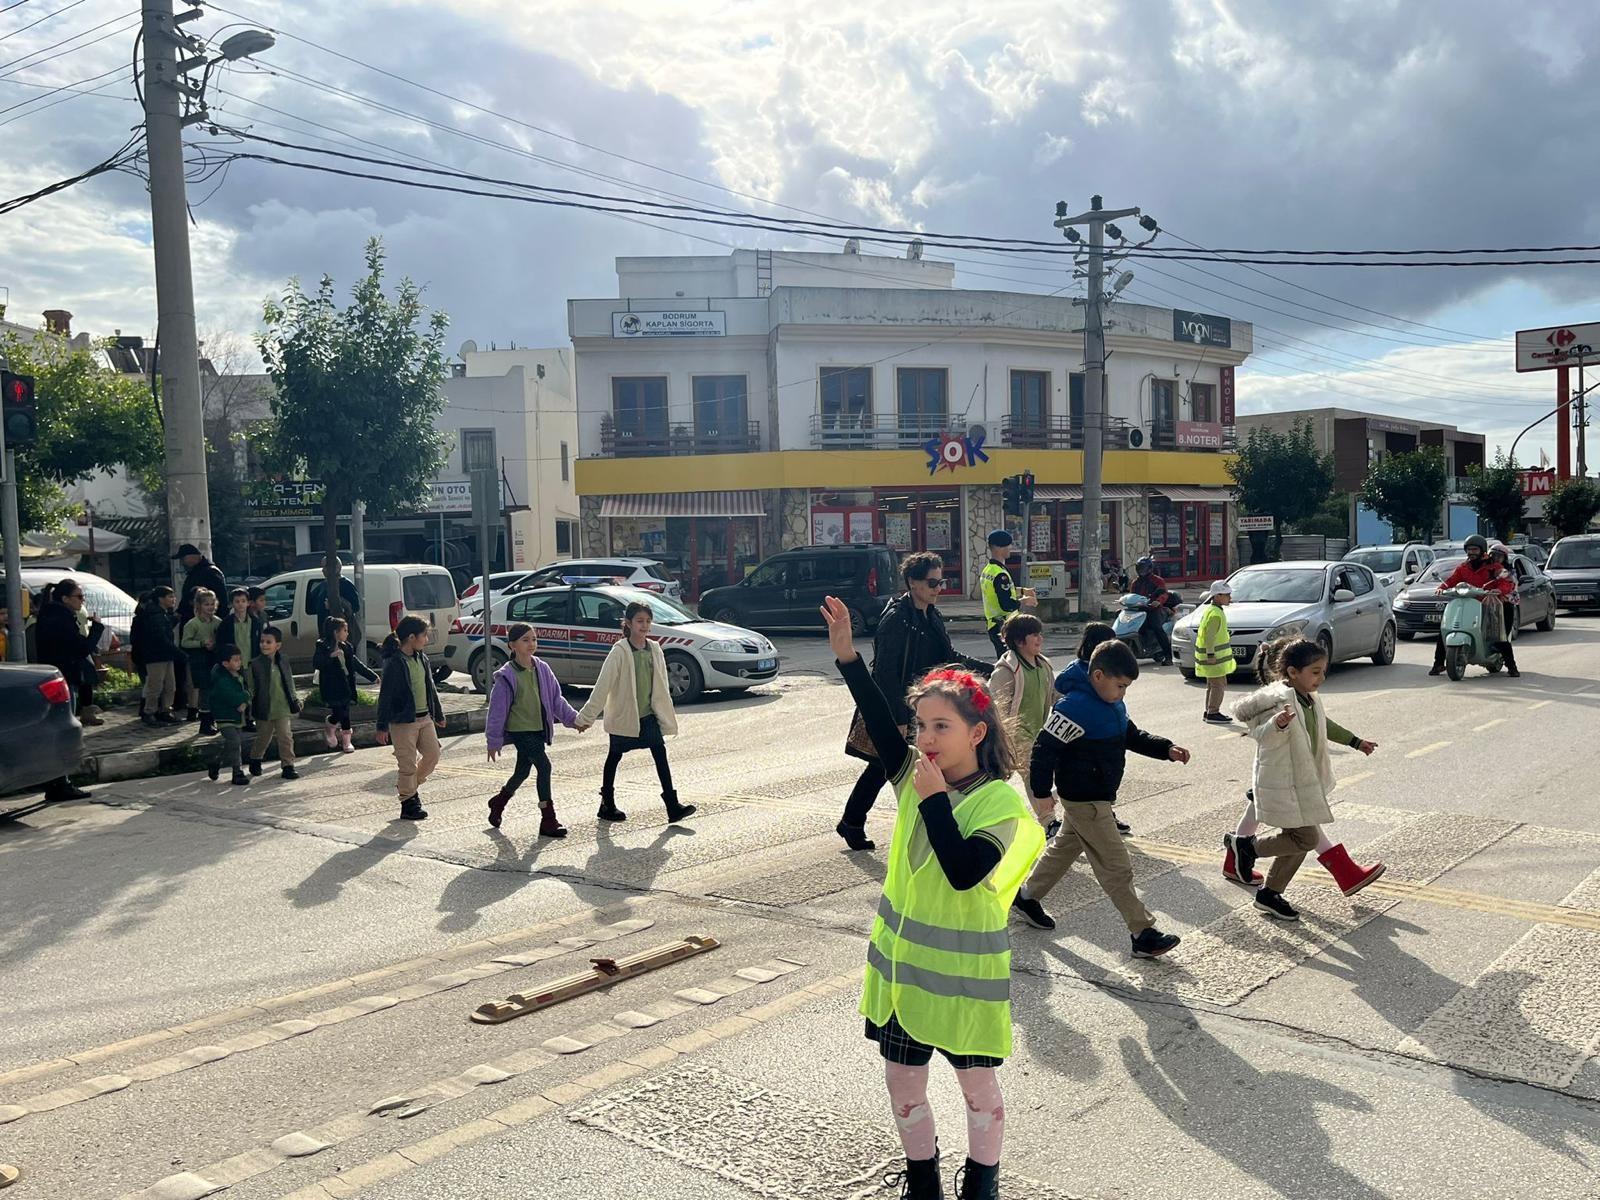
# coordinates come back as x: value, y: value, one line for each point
x: 118, y: 159
x: 75, y: 87
x: 28, y: 66
x: 40, y: 21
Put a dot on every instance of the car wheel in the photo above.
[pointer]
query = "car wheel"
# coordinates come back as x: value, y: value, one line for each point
x: 1406, y: 635
x: 1384, y: 655
x: 858, y: 623
x: 1325, y: 640
x: 727, y: 615
x: 1548, y: 625
x: 684, y: 680
x: 483, y: 665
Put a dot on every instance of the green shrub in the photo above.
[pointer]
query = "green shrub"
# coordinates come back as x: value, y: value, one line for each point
x: 363, y: 699
x: 117, y: 680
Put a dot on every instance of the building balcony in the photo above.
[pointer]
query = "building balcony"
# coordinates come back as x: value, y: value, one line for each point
x: 1058, y: 433
x: 681, y: 441
x: 874, y: 431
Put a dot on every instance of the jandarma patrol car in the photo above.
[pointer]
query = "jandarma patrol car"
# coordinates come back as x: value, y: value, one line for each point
x: 576, y: 625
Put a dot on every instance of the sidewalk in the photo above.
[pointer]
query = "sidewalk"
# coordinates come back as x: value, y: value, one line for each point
x: 126, y: 748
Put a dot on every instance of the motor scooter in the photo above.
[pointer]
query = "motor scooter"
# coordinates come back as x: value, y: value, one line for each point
x: 1464, y: 631
x: 1135, y: 629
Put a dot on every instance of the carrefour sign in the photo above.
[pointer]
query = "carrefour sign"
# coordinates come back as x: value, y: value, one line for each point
x: 696, y: 323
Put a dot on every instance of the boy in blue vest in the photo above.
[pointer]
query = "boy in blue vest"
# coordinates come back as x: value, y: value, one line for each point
x: 1082, y: 752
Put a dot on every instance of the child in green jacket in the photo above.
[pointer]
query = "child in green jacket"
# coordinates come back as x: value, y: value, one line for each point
x: 230, y: 704
x: 199, y: 642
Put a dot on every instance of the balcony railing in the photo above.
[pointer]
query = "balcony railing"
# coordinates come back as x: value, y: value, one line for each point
x: 1057, y: 433
x: 630, y: 443
x: 873, y: 431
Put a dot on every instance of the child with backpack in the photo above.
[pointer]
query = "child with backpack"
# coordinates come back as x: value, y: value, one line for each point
x: 1293, y: 777
x: 525, y: 705
x: 1082, y: 754
x: 337, y: 665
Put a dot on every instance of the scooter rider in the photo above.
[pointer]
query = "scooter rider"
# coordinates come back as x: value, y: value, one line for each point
x: 1154, y: 589
x: 1489, y: 572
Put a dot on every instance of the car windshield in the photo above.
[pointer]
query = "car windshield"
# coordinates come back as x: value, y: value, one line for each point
x: 1377, y: 559
x: 1575, y: 556
x: 662, y: 610
x: 1281, y: 586
x: 1440, y: 570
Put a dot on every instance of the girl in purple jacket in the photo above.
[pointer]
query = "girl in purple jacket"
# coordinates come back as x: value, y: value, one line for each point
x: 525, y: 703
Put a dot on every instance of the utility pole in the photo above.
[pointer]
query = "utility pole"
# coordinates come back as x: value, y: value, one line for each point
x: 165, y: 90
x: 1583, y: 421
x: 1097, y: 219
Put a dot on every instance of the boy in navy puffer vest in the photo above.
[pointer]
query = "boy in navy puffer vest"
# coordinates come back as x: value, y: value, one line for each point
x: 1082, y: 753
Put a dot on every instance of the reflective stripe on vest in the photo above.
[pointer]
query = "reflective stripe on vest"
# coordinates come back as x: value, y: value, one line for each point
x: 993, y: 614
x: 1217, y: 659
x: 939, y: 960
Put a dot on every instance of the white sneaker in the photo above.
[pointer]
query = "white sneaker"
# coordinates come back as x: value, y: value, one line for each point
x: 330, y: 736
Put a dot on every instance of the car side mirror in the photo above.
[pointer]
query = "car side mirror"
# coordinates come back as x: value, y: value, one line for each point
x: 1410, y: 579
x: 1341, y: 595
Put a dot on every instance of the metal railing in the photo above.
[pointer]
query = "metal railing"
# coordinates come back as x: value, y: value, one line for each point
x: 629, y: 443
x: 1058, y: 433
x: 874, y: 431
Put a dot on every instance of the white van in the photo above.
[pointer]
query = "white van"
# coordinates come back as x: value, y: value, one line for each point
x: 296, y: 605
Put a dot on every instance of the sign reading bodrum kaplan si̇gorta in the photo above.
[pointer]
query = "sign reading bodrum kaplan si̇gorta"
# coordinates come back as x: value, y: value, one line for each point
x: 678, y: 323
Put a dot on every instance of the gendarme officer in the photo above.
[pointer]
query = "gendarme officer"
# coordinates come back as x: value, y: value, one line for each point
x: 999, y: 600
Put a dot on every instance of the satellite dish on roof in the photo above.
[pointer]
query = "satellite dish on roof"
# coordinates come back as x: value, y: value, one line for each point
x: 468, y: 347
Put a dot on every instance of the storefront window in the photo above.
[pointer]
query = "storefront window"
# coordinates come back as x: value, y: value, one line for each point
x: 1056, y: 533
x: 925, y: 519
x: 700, y: 552
x: 1188, y: 540
x: 838, y: 518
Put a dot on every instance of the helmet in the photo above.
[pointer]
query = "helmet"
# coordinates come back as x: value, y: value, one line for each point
x: 1145, y: 564
x: 1500, y: 549
x: 1478, y: 540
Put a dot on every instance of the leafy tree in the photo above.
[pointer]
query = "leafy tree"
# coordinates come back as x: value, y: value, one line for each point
x: 1408, y: 490
x: 1573, y: 504
x: 90, y: 419
x: 1280, y: 475
x: 1496, y: 493
x: 1331, y: 520
x: 357, y: 392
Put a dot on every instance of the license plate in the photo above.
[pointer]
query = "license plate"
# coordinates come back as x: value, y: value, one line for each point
x: 767, y: 664
x: 1578, y: 596
x: 1431, y: 618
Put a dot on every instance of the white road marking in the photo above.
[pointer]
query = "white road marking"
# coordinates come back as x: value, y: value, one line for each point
x: 1428, y: 749
x: 1490, y: 724
x: 1356, y: 778
x: 1541, y: 704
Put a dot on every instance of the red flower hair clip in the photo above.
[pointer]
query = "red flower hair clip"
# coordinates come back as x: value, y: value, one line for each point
x: 966, y: 681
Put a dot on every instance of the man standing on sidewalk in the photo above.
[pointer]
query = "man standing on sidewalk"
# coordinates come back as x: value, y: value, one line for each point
x: 994, y: 585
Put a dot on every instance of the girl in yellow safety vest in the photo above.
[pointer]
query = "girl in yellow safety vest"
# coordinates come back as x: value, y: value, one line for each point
x: 939, y: 962
x: 1213, y: 651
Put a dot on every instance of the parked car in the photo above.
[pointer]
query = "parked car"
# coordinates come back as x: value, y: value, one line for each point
x: 576, y: 625
x: 102, y: 598
x: 646, y: 573
x: 1394, y: 565
x: 43, y: 740
x: 1533, y: 551
x: 1418, y: 609
x: 786, y: 591
x: 1339, y: 604
x: 296, y: 603
x: 1574, y: 571
x: 501, y: 583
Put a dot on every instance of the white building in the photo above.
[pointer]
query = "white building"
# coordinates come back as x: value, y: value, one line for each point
x: 734, y: 406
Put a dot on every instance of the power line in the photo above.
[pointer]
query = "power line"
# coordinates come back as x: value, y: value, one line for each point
x: 117, y: 160
x: 76, y: 88
x: 73, y: 50
x: 40, y: 21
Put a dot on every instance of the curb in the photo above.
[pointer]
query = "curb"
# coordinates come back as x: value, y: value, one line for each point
x: 195, y: 754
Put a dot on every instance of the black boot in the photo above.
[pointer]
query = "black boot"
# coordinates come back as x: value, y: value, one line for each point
x: 208, y: 727
x: 191, y: 714
x: 1438, y: 658
x: 411, y: 809
x: 1509, y: 657
x: 240, y: 779
x: 608, y: 808
x: 920, y: 1180
x: 855, y: 837
x: 675, y: 811
x: 289, y: 772
x: 213, y: 771
x: 978, y: 1182
x: 255, y: 766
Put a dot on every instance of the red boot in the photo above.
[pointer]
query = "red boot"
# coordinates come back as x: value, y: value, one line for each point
x: 1227, y: 870
x: 497, y: 806
x: 548, y: 825
x: 1348, y: 874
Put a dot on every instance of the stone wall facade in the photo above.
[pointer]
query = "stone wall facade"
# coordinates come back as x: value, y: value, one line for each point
x: 985, y: 509
x: 592, y: 534
x: 794, y: 518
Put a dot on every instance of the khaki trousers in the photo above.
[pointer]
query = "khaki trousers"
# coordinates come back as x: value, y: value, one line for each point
x: 1216, y: 693
x: 1287, y: 849
x: 266, y: 730
x: 160, y: 687
x: 1091, y: 830
x: 417, y: 751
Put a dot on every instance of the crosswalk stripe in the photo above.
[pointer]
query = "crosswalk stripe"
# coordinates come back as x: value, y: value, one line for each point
x: 1428, y: 749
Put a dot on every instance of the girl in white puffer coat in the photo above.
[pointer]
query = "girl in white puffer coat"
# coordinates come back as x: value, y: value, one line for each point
x: 1292, y: 779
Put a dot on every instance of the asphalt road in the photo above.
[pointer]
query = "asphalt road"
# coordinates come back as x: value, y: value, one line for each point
x: 265, y: 992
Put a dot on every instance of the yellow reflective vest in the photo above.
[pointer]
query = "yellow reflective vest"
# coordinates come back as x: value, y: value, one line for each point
x: 1213, y: 653
x: 940, y: 960
x: 993, y: 614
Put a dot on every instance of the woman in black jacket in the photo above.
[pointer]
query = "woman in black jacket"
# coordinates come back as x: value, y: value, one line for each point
x: 58, y: 643
x: 909, y: 642
x: 337, y: 666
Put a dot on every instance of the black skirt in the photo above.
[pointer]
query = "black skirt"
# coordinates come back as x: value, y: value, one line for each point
x: 899, y: 1047
x: 649, y: 737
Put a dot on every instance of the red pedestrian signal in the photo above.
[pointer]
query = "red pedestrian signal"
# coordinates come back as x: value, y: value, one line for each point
x: 18, y: 416
x: 1025, y: 481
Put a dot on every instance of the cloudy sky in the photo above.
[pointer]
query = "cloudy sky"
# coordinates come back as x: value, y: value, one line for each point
x: 1238, y: 123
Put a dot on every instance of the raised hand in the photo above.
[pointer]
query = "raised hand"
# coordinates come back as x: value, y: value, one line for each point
x: 837, y: 617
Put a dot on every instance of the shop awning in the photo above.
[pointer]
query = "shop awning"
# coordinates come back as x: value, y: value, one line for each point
x: 684, y: 504
x: 1074, y: 491
x: 1202, y: 495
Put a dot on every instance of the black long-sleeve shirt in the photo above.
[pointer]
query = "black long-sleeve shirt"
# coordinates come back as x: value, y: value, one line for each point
x: 965, y: 861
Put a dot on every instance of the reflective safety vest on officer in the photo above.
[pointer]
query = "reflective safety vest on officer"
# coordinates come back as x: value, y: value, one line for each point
x: 1213, y: 648
x: 994, y: 585
x: 939, y: 960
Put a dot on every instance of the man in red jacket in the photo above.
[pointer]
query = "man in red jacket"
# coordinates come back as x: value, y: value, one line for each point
x: 1492, y: 573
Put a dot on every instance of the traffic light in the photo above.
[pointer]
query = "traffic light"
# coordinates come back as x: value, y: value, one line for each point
x: 1011, y: 489
x: 20, y: 418
x: 1025, y: 493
